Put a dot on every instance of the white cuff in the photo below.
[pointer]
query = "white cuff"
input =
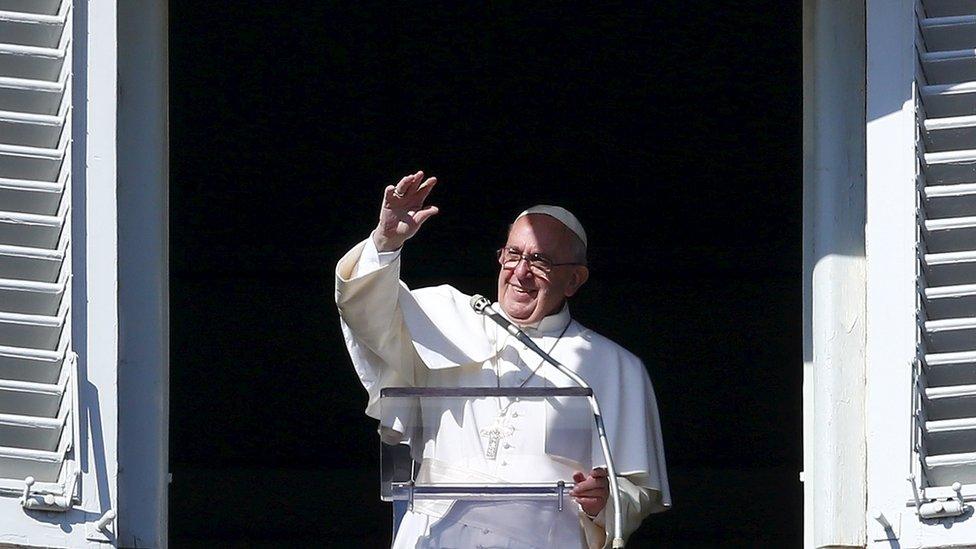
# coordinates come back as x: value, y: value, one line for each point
x: 373, y: 260
x: 598, y: 518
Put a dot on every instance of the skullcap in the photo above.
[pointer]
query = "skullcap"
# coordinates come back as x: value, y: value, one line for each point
x: 563, y: 215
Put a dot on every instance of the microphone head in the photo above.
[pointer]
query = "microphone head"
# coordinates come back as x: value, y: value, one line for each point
x: 479, y: 303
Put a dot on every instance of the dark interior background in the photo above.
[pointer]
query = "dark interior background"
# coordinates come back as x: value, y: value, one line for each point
x: 674, y: 133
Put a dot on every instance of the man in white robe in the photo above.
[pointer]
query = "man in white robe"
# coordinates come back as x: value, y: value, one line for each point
x: 432, y: 338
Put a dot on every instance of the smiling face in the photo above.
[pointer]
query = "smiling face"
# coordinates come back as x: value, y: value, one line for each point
x: 527, y: 295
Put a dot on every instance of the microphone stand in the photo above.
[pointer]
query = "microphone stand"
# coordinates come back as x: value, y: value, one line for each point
x: 482, y: 306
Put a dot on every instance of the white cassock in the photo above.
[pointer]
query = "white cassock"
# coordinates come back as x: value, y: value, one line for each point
x: 432, y: 338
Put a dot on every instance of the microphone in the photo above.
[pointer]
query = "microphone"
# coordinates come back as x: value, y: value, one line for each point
x: 481, y: 305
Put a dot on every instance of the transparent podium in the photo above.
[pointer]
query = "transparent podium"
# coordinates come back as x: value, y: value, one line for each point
x: 499, y: 458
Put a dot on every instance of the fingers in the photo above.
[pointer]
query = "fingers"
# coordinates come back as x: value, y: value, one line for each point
x: 599, y: 492
x: 409, y: 191
x: 591, y: 503
x: 591, y: 491
x: 408, y: 181
x: 425, y: 214
x: 595, y: 485
x: 424, y: 189
x: 411, y: 183
x: 595, y: 489
x: 388, y: 194
x: 596, y: 475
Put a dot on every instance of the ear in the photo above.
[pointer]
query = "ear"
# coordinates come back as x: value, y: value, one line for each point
x: 577, y: 279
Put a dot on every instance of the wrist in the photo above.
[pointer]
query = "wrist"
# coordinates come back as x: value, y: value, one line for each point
x: 587, y: 513
x: 384, y: 244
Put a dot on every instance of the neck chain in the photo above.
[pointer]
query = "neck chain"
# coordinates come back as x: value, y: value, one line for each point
x: 498, y: 380
x: 499, y: 427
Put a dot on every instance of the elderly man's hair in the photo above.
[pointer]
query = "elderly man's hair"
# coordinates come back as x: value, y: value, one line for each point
x: 577, y: 249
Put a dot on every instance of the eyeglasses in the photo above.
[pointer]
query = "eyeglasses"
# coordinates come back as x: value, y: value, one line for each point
x: 509, y: 258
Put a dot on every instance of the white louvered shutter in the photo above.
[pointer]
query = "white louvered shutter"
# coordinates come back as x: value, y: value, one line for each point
x: 38, y: 380
x: 946, y: 383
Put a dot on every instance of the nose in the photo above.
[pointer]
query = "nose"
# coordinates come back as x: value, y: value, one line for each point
x: 521, y: 269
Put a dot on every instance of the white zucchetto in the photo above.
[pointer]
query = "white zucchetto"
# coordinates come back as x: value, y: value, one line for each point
x: 563, y: 215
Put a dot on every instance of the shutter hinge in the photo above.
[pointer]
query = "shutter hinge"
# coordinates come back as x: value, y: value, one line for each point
x: 939, y: 508
x: 49, y: 502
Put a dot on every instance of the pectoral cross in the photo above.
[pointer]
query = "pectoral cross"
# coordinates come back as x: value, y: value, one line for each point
x: 498, y: 430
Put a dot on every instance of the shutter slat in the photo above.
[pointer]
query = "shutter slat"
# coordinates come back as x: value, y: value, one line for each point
x: 947, y: 167
x: 951, y: 368
x: 941, y: 134
x: 33, y: 29
x: 948, y: 33
x: 949, y: 269
x: 948, y: 335
x: 44, y: 7
x: 949, y: 436
x: 941, y: 301
x: 32, y: 230
x: 944, y: 67
x: 949, y: 99
x: 29, y: 263
x: 950, y: 234
x: 34, y: 130
x: 949, y: 8
x: 943, y: 470
x: 32, y: 365
x: 36, y: 96
x: 43, y: 465
x: 940, y: 201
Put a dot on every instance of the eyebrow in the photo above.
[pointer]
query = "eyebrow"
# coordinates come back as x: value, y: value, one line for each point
x: 537, y: 254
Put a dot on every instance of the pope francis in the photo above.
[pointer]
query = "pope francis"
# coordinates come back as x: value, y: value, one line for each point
x: 432, y: 338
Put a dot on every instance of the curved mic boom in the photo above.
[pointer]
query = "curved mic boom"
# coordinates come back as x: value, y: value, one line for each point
x: 481, y: 305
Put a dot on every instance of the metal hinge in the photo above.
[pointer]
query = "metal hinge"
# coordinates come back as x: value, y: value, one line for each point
x: 49, y: 502
x: 939, y: 508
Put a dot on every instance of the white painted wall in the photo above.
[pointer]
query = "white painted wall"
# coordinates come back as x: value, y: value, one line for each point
x: 891, y: 262
x: 834, y: 274
x: 143, y: 164
x: 98, y: 359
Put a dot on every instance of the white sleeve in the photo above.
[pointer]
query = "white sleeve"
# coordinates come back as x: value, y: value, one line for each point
x: 372, y: 323
x: 637, y: 503
x: 373, y: 260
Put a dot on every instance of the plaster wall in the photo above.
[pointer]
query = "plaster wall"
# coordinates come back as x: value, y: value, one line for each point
x: 834, y: 274
x: 891, y: 262
x: 143, y: 173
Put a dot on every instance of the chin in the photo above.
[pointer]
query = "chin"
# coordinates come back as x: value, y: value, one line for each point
x: 519, y: 313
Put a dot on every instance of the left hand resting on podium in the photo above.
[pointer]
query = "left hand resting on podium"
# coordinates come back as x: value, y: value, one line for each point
x: 591, y: 492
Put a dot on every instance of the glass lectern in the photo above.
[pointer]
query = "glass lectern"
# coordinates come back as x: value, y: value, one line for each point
x: 502, y: 458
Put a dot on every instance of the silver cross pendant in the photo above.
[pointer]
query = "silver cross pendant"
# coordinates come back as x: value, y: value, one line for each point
x: 495, y: 433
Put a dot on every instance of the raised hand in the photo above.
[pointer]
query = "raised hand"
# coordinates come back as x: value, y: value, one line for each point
x: 591, y: 492
x: 403, y: 211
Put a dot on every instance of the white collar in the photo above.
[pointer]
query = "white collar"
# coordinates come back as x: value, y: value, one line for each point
x: 551, y: 325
